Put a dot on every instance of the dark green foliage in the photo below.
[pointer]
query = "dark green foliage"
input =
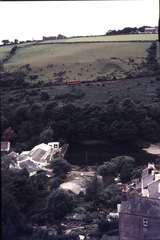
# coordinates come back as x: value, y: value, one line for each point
x: 4, y: 123
x: 21, y: 113
x: 46, y: 135
x: 122, y: 161
x: 124, y: 166
x: 105, y: 225
x: 56, y: 182
x: 44, y: 96
x: 13, y: 50
x: 33, y: 77
x: 36, y: 112
x: 117, y: 122
x: 107, y: 169
x: 93, y: 189
x: 150, y: 129
x: 59, y: 204
x: 151, y: 59
x: 49, y: 110
x: 136, y: 173
x: 122, y: 131
x: 110, y: 196
x: 60, y: 167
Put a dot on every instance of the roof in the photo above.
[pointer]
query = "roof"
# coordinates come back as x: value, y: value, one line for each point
x: 153, y: 149
x: 5, y: 146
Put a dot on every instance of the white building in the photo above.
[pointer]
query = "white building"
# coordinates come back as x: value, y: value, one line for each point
x: 150, y: 182
x: 38, y: 157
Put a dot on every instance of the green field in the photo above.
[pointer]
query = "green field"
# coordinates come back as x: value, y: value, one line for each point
x: 80, y: 61
x: 4, y: 50
x: 115, y: 38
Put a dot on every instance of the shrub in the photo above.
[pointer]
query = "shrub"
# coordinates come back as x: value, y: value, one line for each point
x: 33, y: 77
x: 122, y: 131
x: 59, y: 204
x: 60, y: 167
x: 46, y: 135
x: 110, y: 196
x: 36, y: 111
x: 44, y: 96
x: 107, y: 169
x: 21, y: 113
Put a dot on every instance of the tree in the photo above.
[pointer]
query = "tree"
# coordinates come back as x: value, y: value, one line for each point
x: 107, y: 169
x: 5, y: 41
x: 123, y: 130
x: 60, y: 167
x: 21, y: 114
x: 150, y: 130
x: 110, y: 196
x: 93, y: 189
x: 60, y: 36
x: 59, y: 204
x: 124, y: 166
x: 4, y: 123
x: 36, y: 112
x: 44, y: 95
x: 159, y: 25
x: 46, y: 135
x: 16, y: 41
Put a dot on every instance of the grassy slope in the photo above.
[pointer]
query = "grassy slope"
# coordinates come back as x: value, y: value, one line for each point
x: 82, y: 61
x: 4, y: 50
x: 130, y: 37
x: 86, y: 61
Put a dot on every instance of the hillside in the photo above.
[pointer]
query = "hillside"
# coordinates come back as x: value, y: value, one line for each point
x: 78, y: 61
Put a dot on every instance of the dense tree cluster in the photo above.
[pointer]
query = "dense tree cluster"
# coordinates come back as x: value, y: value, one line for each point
x: 124, y: 122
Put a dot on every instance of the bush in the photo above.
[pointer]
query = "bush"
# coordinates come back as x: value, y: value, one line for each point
x: 93, y: 189
x: 123, y: 131
x: 44, y: 96
x: 36, y: 112
x: 60, y: 167
x: 59, y: 203
x: 107, y: 169
x: 110, y: 196
x: 21, y: 114
x: 33, y: 77
x: 124, y: 166
x: 4, y: 123
x: 47, y: 135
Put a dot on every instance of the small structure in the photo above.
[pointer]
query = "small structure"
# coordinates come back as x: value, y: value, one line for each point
x: 49, y: 38
x: 150, y: 182
x: 38, y: 158
x: 152, y: 30
x: 139, y: 218
x: 5, y: 146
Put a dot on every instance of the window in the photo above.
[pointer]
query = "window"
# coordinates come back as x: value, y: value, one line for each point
x: 145, y: 222
x: 55, y: 145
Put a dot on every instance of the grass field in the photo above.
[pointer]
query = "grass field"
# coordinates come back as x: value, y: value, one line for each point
x: 85, y: 61
x: 4, y: 50
x: 115, y: 38
x: 79, y: 61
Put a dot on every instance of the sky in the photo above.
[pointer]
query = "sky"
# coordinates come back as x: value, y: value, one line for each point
x: 33, y: 20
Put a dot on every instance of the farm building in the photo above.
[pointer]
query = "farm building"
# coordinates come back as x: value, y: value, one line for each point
x: 151, y: 30
x: 49, y: 38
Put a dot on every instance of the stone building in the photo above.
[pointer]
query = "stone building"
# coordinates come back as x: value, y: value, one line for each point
x: 139, y: 218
